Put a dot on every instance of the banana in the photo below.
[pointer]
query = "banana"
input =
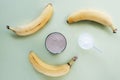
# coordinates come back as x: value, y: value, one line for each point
x: 36, y: 24
x: 92, y: 15
x: 50, y: 70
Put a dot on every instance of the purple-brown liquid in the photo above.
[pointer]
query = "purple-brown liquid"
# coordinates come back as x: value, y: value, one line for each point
x: 55, y: 42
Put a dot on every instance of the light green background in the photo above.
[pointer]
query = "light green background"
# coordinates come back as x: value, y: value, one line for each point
x: 14, y: 50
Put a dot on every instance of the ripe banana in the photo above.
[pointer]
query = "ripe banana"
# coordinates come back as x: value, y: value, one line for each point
x: 36, y: 24
x: 50, y: 70
x: 92, y: 15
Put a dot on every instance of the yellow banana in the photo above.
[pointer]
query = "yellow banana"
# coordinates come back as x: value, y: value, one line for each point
x: 92, y: 15
x: 50, y: 70
x: 36, y: 24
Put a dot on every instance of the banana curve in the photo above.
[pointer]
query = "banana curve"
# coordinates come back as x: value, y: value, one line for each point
x: 36, y: 24
x: 50, y: 70
x: 92, y: 15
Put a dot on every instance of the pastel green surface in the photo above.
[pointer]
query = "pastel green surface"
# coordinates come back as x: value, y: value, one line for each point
x: 14, y: 50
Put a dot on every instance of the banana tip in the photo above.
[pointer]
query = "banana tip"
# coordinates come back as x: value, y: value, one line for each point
x: 30, y: 52
x: 49, y: 3
x: 8, y: 27
x: 75, y: 58
x: 115, y: 31
x: 67, y: 21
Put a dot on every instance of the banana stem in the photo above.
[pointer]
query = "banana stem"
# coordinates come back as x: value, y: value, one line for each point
x: 72, y: 61
x: 8, y: 27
